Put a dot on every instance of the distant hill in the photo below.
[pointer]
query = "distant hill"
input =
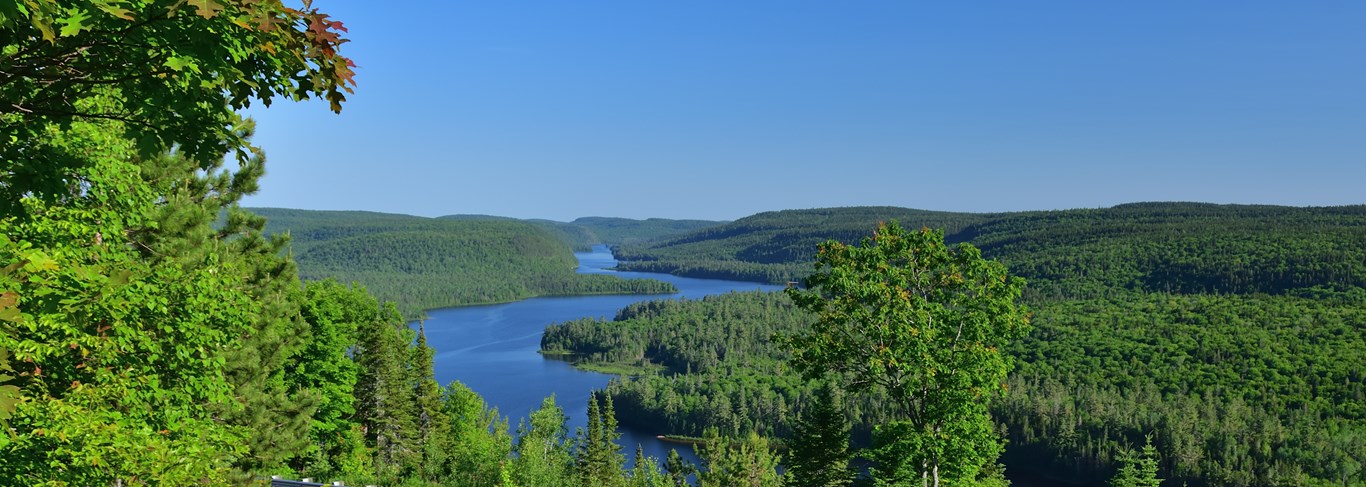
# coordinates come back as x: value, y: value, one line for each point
x: 422, y: 263
x: 581, y: 234
x: 1175, y: 247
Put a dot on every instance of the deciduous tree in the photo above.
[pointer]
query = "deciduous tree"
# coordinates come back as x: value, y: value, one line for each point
x: 904, y: 313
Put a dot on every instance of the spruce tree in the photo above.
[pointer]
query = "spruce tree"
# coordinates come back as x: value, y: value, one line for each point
x: 384, y: 396
x: 1137, y: 469
x: 431, y: 420
x: 678, y: 469
x: 599, y: 455
x: 820, y: 446
x: 732, y: 462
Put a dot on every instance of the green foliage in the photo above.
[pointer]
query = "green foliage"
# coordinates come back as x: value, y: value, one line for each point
x: 925, y: 324
x: 167, y: 83
x: 1232, y: 333
x: 1236, y: 390
x: 678, y: 470
x: 334, y: 313
x: 599, y: 459
x: 820, y: 451
x: 581, y: 234
x: 478, y: 442
x: 621, y: 231
x: 718, y: 367
x: 423, y: 263
x: 543, y: 449
x: 734, y: 462
x: 117, y: 357
x: 1137, y: 470
x: 1162, y: 247
x: 772, y: 247
x: 384, y: 393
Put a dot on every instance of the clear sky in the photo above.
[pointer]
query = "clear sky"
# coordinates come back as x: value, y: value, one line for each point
x: 721, y: 109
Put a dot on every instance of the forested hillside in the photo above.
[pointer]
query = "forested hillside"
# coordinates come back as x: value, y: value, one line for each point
x: 422, y: 263
x: 1178, y: 247
x: 1234, y: 336
x: 583, y: 233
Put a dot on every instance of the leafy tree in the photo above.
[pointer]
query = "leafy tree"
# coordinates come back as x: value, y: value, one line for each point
x: 543, y: 450
x: 172, y: 73
x: 148, y: 345
x: 478, y: 442
x: 117, y: 357
x: 904, y: 313
x: 820, y: 445
x: 334, y: 313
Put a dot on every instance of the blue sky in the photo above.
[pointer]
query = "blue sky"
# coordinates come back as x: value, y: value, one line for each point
x: 721, y: 109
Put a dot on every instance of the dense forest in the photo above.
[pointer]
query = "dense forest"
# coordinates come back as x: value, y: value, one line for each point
x: 1233, y: 336
x: 423, y: 263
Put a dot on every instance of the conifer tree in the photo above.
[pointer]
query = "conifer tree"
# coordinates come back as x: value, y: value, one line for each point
x: 728, y: 462
x: 1137, y: 469
x: 678, y: 469
x: 384, y: 393
x: 645, y: 471
x: 820, y: 445
x: 431, y: 420
x: 599, y: 456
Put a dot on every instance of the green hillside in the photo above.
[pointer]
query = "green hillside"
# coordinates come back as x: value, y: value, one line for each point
x: 1177, y: 247
x: 617, y: 231
x: 1234, y: 335
x: 772, y: 246
x: 423, y: 263
x: 583, y: 233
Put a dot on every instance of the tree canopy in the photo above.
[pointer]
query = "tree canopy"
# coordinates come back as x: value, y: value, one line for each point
x: 905, y: 314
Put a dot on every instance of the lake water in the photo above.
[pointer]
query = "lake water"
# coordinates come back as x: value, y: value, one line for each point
x: 493, y: 349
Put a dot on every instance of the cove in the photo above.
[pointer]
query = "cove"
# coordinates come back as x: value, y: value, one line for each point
x: 493, y: 349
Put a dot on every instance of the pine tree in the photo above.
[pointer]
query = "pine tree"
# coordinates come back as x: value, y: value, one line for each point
x: 599, y: 456
x: 645, y: 471
x: 677, y: 469
x: 1137, y: 470
x: 431, y: 420
x: 747, y: 462
x: 820, y: 447
x: 384, y: 396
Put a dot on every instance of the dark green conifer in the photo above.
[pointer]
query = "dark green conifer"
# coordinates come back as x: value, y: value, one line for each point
x: 820, y: 447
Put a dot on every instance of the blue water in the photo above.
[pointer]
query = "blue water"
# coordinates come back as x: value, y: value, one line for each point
x: 493, y: 349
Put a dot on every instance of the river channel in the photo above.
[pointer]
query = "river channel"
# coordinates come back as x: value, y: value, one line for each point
x: 493, y: 349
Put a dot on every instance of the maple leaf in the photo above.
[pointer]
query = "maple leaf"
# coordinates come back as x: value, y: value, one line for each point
x: 74, y: 24
x: 112, y: 8
x: 206, y: 8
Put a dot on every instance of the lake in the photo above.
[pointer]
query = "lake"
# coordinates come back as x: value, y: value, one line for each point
x: 493, y: 349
